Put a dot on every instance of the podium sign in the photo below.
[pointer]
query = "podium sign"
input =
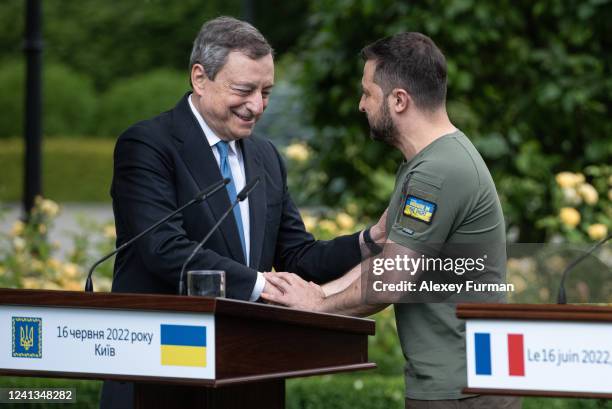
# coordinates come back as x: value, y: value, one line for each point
x: 553, y: 350
x: 159, y: 344
x: 571, y: 357
x: 194, y: 352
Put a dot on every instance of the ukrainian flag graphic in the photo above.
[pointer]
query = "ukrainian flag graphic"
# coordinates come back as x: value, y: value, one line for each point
x: 183, y: 345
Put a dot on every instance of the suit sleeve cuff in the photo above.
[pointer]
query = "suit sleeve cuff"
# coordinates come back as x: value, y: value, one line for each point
x: 260, y: 283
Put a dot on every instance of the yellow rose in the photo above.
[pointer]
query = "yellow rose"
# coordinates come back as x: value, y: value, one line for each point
x: 555, y: 263
x: 72, y: 286
x: 30, y: 282
x: 569, y: 216
x: 519, y: 282
x: 110, y: 232
x: 42, y: 229
x: 328, y: 225
x: 19, y: 243
x: 49, y: 207
x: 298, y: 152
x: 345, y: 221
x: 597, y: 231
x: 352, y: 208
x: 103, y: 284
x: 579, y: 178
x: 309, y: 222
x: 50, y: 285
x: 566, y: 179
x: 588, y: 193
x: 544, y: 294
x: 54, y: 264
x: 37, y: 265
x: 18, y: 228
x: 71, y: 270
x: 570, y: 196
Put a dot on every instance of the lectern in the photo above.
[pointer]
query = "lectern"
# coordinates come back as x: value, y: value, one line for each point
x: 181, y: 352
x: 538, y: 350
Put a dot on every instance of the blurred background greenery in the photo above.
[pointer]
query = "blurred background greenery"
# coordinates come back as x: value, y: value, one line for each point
x: 530, y: 82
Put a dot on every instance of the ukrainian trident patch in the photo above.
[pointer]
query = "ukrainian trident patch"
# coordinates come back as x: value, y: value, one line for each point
x: 27, y: 337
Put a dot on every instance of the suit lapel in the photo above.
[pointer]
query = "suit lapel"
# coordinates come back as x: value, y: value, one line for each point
x: 199, y: 159
x: 257, y: 200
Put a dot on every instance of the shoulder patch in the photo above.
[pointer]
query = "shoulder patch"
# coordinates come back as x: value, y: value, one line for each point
x: 419, y: 209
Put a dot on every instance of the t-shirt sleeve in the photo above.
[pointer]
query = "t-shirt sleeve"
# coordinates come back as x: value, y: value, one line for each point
x: 432, y: 202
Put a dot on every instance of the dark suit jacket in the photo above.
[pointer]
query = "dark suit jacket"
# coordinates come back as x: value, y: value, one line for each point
x: 161, y: 164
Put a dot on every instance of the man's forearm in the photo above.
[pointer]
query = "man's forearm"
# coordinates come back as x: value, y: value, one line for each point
x: 342, y: 283
x: 350, y: 301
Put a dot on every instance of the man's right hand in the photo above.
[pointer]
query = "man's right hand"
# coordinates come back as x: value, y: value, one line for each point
x: 270, y: 288
x: 292, y: 291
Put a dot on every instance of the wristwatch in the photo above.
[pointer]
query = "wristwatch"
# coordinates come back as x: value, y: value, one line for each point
x: 374, y: 247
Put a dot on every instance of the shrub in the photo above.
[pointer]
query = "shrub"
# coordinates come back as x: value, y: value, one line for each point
x: 69, y: 102
x: 529, y: 83
x: 582, y: 204
x: 339, y: 392
x: 140, y: 97
x: 27, y: 257
x: 65, y: 161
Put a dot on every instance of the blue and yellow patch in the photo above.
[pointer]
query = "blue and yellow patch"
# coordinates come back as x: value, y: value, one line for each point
x: 419, y: 209
x: 27, y: 337
x: 183, y: 345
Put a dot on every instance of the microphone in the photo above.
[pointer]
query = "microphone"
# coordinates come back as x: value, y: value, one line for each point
x: 561, y: 297
x: 201, y: 196
x: 244, y: 193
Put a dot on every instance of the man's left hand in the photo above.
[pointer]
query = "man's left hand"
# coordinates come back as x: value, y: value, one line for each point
x: 296, y: 293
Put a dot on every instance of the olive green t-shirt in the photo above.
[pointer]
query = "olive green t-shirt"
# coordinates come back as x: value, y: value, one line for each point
x: 445, y: 194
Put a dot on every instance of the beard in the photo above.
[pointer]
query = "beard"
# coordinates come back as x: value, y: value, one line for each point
x: 382, y: 128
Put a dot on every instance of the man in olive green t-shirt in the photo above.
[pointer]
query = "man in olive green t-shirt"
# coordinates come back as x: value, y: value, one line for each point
x: 450, y: 177
x: 444, y: 196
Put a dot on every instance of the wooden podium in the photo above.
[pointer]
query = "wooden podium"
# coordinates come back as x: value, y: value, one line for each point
x: 538, y: 350
x: 250, y: 348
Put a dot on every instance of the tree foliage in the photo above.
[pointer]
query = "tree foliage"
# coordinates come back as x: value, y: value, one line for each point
x: 109, y: 40
x: 530, y: 82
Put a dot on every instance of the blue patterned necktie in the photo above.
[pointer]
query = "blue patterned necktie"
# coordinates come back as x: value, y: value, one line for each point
x: 226, y: 172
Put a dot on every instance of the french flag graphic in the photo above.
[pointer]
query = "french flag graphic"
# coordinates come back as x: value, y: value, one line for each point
x: 516, y: 355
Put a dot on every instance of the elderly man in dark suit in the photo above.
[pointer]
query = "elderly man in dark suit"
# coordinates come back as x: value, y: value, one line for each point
x: 163, y: 162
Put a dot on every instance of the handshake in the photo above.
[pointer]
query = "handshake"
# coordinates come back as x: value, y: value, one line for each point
x: 290, y: 290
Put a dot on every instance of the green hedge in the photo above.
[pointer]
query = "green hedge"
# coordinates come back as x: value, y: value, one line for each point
x: 71, y: 107
x: 339, y: 392
x: 74, y: 170
x: 140, y: 97
x: 69, y: 101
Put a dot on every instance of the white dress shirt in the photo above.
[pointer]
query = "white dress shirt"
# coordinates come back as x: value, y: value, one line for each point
x: 236, y: 163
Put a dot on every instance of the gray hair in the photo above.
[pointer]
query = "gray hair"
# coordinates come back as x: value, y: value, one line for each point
x: 218, y: 37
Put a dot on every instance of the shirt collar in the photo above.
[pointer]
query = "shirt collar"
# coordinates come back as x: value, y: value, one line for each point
x: 210, y: 135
